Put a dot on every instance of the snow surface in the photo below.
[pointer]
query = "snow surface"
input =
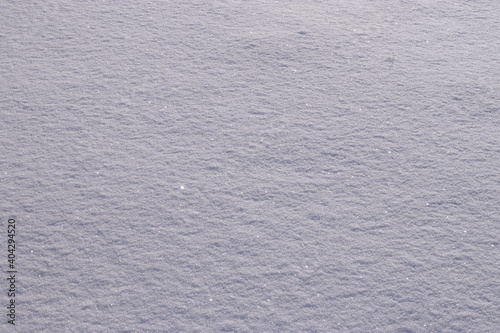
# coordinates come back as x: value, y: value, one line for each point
x: 252, y: 166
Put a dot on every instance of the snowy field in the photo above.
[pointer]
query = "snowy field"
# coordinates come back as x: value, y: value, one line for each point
x: 251, y: 166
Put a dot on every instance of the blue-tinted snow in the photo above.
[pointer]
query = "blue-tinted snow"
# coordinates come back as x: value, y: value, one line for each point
x: 252, y: 166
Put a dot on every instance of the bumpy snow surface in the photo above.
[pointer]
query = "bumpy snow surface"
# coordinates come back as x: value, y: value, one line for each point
x: 251, y: 166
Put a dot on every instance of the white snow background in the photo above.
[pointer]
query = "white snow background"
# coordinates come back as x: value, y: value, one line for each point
x: 251, y: 166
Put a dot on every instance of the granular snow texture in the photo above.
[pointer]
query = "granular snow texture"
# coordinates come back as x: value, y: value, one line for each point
x: 251, y: 166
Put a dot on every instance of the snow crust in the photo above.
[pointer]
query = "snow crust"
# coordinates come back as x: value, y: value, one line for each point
x: 252, y: 166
